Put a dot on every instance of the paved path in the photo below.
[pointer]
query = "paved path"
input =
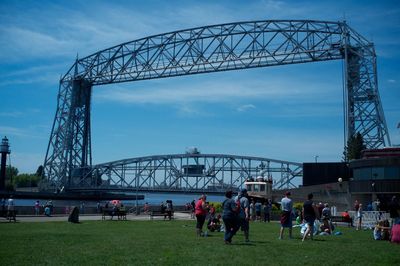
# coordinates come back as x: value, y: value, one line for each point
x: 87, y: 217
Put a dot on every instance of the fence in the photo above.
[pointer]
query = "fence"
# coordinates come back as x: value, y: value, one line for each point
x: 369, y: 218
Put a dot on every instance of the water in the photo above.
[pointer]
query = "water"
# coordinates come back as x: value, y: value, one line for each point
x: 151, y: 198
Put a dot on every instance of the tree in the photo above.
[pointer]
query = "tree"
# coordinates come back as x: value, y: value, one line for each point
x: 352, y: 150
x: 39, y: 171
x: 11, y: 172
x: 26, y: 180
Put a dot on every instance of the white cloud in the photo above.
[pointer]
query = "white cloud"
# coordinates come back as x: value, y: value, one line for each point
x: 13, y: 131
x: 12, y: 114
x: 245, y: 107
x: 21, y: 132
x: 43, y: 78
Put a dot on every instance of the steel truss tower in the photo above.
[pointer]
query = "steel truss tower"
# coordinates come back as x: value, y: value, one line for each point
x: 210, y: 49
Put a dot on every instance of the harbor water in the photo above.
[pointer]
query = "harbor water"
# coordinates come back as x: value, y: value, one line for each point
x: 150, y: 198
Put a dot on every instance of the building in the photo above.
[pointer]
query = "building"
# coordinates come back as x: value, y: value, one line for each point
x: 376, y: 175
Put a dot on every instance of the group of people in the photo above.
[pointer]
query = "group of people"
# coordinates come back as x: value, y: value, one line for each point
x: 167, y: 209
x: 236, y: 215
x: 7, y: 206
x: 256, y: 210
x: 312, y: 219
x: 385, y: 230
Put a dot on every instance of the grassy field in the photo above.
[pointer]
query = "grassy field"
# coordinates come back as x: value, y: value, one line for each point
x: 175, y: 243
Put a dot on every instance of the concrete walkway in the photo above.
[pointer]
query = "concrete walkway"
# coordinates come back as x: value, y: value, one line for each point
x: 94, y: 217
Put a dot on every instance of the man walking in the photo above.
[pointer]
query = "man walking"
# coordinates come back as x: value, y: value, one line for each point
x: 286, y: 216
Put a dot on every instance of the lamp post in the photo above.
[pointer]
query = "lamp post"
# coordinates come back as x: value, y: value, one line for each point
x: 316, y: 158
x: 373, y: 187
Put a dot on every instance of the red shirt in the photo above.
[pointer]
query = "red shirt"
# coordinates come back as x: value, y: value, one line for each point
x: 199, y: 210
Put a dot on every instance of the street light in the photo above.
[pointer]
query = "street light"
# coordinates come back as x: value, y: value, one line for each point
x: 316, y: 158
x: 340, y: 180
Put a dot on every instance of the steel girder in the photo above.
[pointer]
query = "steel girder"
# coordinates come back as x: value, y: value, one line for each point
x: 363, y: 107
x: 210, y: 173
x: 211, y: 49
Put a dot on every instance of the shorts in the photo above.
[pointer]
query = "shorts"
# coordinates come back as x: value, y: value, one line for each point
x: 286, y: 219
x: 309, y: 220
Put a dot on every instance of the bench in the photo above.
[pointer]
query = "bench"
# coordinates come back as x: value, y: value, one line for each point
x: 160, y: 213
x: 10, y: 215
x: 119, y: 212
x: 341, y: 219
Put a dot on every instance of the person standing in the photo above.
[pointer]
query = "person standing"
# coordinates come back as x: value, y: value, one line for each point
x: 169, y: 209
x: 98, y: 207
x: 10, y: 206
x: 229, y: 216
x: 394, y: 211
x: 3, y: 205
x: 310, y: 213
x: 201, y: 213
x: 286, y: 215
x: 252, y: 210
x: 359, y: 216
x: 267, y: 211
x: 193, y: 204
x: 244, y: 216
x: 258, y: 211
x: 82, y: 207
x: 37, y: 207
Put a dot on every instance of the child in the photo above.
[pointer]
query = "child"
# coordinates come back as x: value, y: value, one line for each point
x: 381, y: 231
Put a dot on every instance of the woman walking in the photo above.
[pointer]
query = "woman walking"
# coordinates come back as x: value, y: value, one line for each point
x: 201, y: 213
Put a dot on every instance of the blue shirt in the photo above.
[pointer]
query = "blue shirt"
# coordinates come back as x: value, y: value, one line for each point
x: 228, y: 208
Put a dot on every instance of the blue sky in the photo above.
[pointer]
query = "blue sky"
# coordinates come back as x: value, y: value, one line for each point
x: 288, y: 112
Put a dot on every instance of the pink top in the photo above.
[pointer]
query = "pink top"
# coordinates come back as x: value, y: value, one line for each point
x: 199, y: 210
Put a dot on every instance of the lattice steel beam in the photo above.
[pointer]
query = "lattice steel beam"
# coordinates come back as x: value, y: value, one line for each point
x: 211, y: 49
x: 169, y: 172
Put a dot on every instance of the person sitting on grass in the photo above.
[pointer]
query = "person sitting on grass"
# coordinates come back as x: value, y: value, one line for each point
x: 381, y: 230
x: 326, y: 227
x: 326, y: 212
x: 214, y: 223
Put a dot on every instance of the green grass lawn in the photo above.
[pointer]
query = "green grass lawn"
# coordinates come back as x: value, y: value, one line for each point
x: 175, y: 243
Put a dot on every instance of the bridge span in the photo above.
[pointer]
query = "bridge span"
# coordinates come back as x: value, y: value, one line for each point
x: 189, y: 173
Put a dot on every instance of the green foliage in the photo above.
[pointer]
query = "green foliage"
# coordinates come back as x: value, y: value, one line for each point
x: 11, y: 172
x: 26, y: 180
x: 9, y: 186
x: 353, y: 148
x: 39, y: 171
x: 22, y: 180
x: 175, y: 243
x: 217, y: 206
x: 298, y: 206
